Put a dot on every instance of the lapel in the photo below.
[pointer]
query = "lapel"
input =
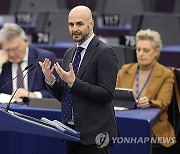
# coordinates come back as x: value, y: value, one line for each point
x: 129, y: 77
x: 8, y: 77
x: 91, y: 50
x: 33, y: 58
x: 155, y: 79
x: 153, y: 83
x: 69, y: 58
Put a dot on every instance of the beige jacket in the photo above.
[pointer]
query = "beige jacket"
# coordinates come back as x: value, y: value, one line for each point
x: 159, y: 91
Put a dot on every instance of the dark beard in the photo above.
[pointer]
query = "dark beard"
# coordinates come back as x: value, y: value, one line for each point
x: 83, y: 37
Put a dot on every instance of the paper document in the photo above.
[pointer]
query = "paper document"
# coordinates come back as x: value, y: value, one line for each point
x: 120, y: 108
x: 60, y: 126
x: 5, y: 98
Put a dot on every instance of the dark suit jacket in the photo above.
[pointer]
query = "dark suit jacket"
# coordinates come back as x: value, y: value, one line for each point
x: 36, y: 80
x: 92, y: 91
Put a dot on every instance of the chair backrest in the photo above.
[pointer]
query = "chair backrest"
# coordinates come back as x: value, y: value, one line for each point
x: 173, y: 109
x: 4, y: 6
x: 177, y: 6
x: 55, y: 22
x: 125, y: 8
x: 130, y: 55
x: 125, y: 55
x: 89, y: 3
x: 168, y: 25
x: 35, y: 6
x: 164, y: 6
x: 99, y: 6
x: 120, y: 53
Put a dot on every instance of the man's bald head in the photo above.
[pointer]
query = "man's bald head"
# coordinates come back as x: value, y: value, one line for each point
x: 80, y: 23
x: 83, y: 11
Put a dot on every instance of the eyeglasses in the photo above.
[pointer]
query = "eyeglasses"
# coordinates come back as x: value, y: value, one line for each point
x: 15, y: 49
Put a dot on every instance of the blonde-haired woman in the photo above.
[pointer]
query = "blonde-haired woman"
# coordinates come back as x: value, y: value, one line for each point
x: 151, y: 82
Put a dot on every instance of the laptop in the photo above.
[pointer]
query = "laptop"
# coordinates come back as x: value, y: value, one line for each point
x: 124, y: 98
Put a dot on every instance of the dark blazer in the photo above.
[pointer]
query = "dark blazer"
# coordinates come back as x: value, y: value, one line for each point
x: 92, y: 91
x: 36, y: 80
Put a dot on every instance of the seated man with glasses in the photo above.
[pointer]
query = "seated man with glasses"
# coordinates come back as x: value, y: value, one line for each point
x: 16, y: 55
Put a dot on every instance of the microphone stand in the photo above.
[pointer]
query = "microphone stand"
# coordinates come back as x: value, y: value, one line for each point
x: 27, y: 67
x: 8, y: 105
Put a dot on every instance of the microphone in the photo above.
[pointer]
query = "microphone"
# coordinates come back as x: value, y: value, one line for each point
x: 29, y: 68
x: 26, y: 68
x: 32, y: 68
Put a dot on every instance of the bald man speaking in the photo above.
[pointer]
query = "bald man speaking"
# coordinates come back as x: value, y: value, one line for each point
x: 88, y: 76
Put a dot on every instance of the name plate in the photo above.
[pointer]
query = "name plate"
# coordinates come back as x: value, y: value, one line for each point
x: 41, y: 38
x: 24, y: 18
x: 111, y: 19
x: 128, y: 40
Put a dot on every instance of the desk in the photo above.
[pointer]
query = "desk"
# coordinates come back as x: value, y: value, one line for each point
x: 137, y: 124
x: 133, y: 123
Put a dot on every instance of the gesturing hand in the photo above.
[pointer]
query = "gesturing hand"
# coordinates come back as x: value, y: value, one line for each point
x: 68, y: 77
x: 47, y: 70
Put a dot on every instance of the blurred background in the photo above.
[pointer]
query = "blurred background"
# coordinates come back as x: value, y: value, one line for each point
x: 116, y: 23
